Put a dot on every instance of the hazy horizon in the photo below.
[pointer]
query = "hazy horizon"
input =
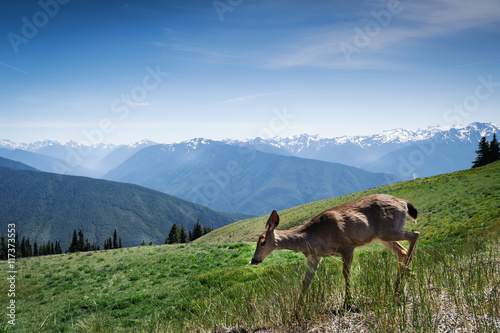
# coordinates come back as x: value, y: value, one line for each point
x: 86, y: 142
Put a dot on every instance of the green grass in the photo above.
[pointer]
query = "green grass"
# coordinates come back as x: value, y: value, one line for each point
x: 451, y: 207
x: 209, y: 286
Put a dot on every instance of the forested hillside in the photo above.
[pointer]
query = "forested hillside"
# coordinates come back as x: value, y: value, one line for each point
x: 48, y: 206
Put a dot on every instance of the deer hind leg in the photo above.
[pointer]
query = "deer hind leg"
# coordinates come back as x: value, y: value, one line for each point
x: 397, y: 249
x: 401, y: 255
x: 411, y: 237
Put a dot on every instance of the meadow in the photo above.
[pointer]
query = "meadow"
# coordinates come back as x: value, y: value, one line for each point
x: 208, y: 286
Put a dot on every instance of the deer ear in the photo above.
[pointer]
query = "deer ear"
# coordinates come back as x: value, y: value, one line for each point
x: 273, y: 221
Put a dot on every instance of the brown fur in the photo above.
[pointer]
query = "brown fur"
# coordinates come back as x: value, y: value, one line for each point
x: 341, y: 229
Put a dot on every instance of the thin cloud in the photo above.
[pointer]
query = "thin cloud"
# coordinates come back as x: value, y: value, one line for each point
x: 14, y: 68
x: 246, y: 98
x: 319, y: 46
x: 417, y: 21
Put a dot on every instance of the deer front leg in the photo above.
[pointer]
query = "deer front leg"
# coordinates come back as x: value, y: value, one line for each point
x: 347, y: 256
x: 312, y: 267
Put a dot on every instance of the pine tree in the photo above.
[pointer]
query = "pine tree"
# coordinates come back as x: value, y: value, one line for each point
x: 115, y: 240
x: 81, y: 241
x: 197, y: 230
x: 29, y: 249
x: 3, y: 248
x: 35, y: 249
x: 173, y: 235
x: 493, y: 150
x: 120, y: 243
x: 482, y: 153
x: 74, y: 243
x: 182, y: 235
x: 206, y: 230
x: 23, y: 248
x: 58, y: 247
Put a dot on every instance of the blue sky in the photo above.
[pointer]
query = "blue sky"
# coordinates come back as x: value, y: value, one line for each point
x: 121, y: 71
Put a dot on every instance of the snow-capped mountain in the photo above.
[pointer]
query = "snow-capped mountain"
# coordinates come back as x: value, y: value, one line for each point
x: 298, y: 144
x: 405, y: 153
x: 447, y: 148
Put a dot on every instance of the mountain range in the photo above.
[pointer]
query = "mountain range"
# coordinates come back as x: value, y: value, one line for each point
x: 371, y: 152
x: 405, y: 153
x: 256, y: 175
x: 238, y: 179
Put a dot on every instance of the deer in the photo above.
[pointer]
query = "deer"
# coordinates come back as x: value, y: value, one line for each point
x: 339, y: 230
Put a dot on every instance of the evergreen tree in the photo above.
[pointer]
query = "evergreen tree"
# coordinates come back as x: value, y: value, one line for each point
x: 35, y: 249
x: 58, y: 247
x: 190, y: 236
x: 108, y: 244
x: 493, y: 150
x: 182, y: 235
x: 3, y: 248
x: 115, y: 240
x: 29, y: 250
x: 173, y: 235
x: 23, y: 248
x: 482, y: 153
x: 206, y: 230
x: 197, y: 230
x: 74, y: 243
x: 120, y: 243
x: 81, y: 241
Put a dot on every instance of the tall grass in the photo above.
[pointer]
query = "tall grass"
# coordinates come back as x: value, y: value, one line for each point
x: 453, y: 289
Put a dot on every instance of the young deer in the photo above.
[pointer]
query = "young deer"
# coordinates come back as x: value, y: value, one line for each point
x: 341, y: 229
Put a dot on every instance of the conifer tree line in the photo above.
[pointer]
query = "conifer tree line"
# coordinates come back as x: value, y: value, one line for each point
x: 79, y: 243
x: 179, y: 235
x: 25, y: 249
x: 487, y: 152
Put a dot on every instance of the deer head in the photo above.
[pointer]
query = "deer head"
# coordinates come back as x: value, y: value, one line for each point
x: 266, y: 243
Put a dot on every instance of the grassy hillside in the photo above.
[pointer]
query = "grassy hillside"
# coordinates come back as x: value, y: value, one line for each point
x: 451, y: 207
x: 209, y: 286
x: 48, y: 206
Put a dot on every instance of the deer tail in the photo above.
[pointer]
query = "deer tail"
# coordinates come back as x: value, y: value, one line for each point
x: 412, y: 211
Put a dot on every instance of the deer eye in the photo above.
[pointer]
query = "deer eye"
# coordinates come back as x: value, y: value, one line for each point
x: 263, y: 243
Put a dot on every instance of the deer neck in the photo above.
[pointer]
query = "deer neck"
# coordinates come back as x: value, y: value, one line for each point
x: 289, y: 240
